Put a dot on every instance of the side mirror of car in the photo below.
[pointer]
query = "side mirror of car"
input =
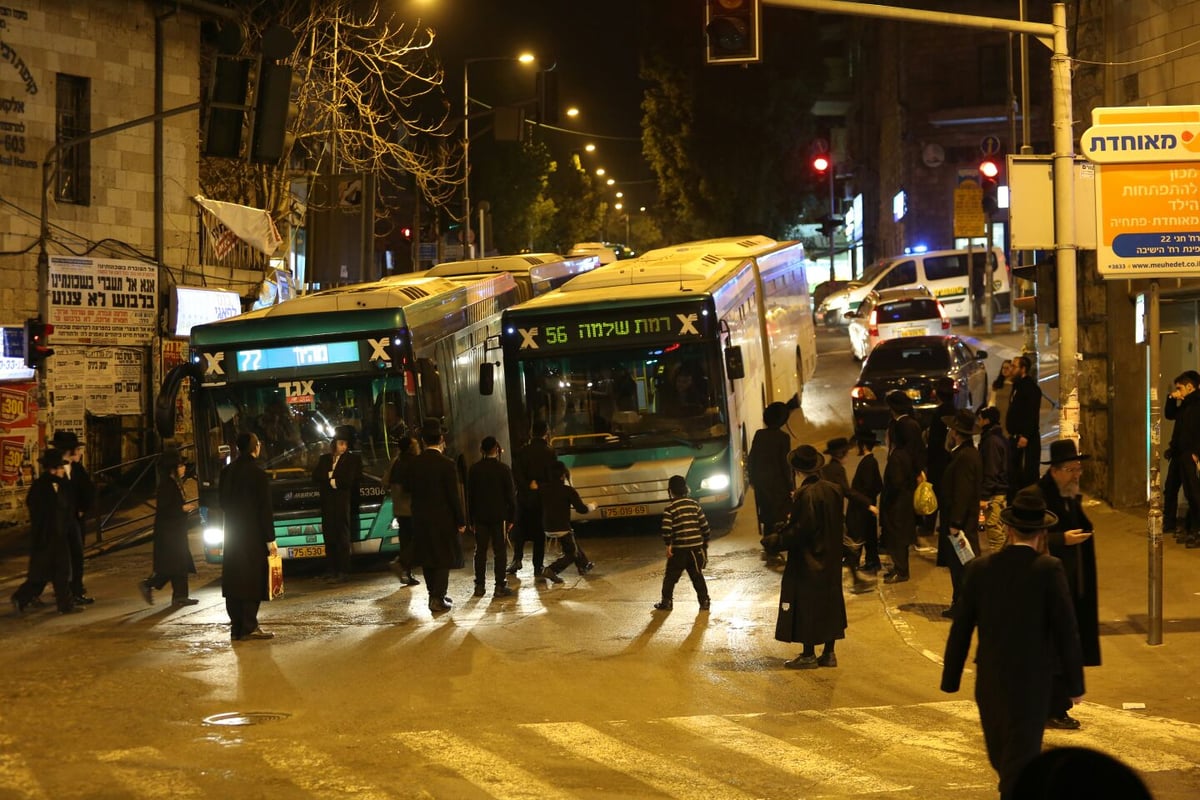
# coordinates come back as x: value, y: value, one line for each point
x: 980, y: 355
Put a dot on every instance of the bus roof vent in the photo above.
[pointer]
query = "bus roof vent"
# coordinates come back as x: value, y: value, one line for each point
x: 413, y: 292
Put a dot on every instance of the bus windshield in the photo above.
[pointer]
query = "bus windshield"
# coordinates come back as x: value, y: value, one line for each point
x: 645, y: 397
x: 295, y: 421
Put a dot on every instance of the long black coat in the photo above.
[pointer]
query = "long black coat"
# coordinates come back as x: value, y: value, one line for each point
x: 1079, y: 562
x: 51, y: 512
x: 339, y: 505
x: 897, y: 519
x: 172, y: 555
x: 958, y: 502
x: 771, y: 474
x: 245, y: 494
x: 811, y: 607
x: 864, y: 493
x: 531, y: 463
x: 1018, y: 600
x: 436, y: 509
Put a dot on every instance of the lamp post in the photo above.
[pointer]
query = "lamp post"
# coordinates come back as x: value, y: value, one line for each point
x: 524, y: 58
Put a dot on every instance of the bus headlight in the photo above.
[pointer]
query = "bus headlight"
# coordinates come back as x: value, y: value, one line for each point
x: 715, y: 483
x: 214, y: 537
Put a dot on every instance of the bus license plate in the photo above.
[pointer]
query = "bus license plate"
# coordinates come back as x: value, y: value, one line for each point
x: 308, y: 551
x: 623, y: 511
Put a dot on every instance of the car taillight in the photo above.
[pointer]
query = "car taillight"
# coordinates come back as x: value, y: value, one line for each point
x: 873, y: 324
x: 945, y: 319
x: 862, y: 393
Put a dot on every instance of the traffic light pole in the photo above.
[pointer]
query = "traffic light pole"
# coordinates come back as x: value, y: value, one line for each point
x: 832, y: 213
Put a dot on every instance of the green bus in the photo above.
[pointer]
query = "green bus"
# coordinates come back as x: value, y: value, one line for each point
x: 661, y: 365
x: 379, y: 356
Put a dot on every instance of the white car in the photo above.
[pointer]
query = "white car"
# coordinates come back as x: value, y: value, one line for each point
x: 893, y: 314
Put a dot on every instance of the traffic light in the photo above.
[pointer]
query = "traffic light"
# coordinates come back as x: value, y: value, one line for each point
x: 275, y: 108
x: 37, y: 342
x: 547, y: 97
x: 1044, y: 303
x: 733, y: 28
x: 821, y: 165
x: 226, y: 106
x: 989, y: 180
x: 830, y: 223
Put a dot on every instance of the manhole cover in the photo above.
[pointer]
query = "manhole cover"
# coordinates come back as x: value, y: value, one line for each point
x: 242, y: 718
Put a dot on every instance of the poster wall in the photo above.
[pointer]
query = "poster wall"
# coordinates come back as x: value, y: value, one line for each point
x: 18, y: 439
x: 102, y: 300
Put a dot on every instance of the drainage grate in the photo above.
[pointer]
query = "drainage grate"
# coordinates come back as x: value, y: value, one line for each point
x: 242, y: 718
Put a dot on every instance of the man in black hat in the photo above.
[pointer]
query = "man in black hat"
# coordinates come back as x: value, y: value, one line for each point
x: 904, y: 469
x: 437, y: 512
x: 337, y: 475
x: 1023, y: 424
x: 862, y: 510
x: 51, y: 515
x: 491, y: 510
x: 245, y: 496
x: 1070, y: 541
x: 531, y: 469
x: 770, y: 474
x: 812, y: 610
x: 1018, y: 599
x: 959, y: 499
x: 834, y: 471
x: 82, y: 495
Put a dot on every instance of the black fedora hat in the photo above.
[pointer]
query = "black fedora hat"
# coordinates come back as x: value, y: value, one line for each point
x: 838, y: 444
x: 66, y: 440
x: 963, y: 421
x: 898, y: 401
x: 346, y: 433
x: 1027, y: 511
x: 1063, y: 451
x: 865, y: 436
x: 51, y: 458
x: 805, y: 458
x: 775, y: 415
x: 431, y: 427
x: 170, y: 459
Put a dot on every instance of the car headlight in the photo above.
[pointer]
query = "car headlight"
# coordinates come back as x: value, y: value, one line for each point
x: 715, y: 483
x: 214, y: 536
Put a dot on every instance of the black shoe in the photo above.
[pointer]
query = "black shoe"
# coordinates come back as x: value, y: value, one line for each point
x: 82, y: 599
x: 513, y: 568
x: 551, y: 575
x: 407, y: 579
x: 862, y: 587
x: 1064, y: 723
x: 437, y: 607
x: 872, y: 568
x: 895, y: 577
x: 147, y: 592
x: 259, y: 633
x: 184, y: 601
x: 480, y: 590
x: 802, y: 662
x: 503, y: 591
x: 17, y: 605
x: 948, y: 613
x: 705, y: 604
x: 586, y: 568
x: 827, y: 660
x: 664, y: 605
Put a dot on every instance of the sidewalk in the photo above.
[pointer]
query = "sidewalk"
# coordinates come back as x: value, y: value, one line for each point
x: 1160, y: 676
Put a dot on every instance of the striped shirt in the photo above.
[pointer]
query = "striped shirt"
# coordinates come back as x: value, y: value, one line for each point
x: 684, y: 525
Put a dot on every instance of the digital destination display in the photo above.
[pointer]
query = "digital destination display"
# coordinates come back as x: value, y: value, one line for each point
x: 301, y: 355
x: 618, y: 327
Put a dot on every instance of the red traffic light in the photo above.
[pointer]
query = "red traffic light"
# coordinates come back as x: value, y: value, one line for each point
x: 406, y: 233
x: 37, y: 342
x: 821, y: 164
x: 989, y: 168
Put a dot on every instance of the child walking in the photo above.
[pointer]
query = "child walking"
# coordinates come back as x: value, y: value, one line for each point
x: 685, y: 530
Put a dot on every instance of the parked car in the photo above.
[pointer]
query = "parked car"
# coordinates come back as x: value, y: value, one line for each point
x: 818, y: 295
x: 918, y: 366
x: 942, y: 272
x: 892, y: 314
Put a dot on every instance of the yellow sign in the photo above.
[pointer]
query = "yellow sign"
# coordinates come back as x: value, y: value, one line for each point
x: 969, y: 220
x: 1143, y: 135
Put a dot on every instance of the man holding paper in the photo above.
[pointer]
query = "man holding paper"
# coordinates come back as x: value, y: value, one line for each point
x: 962, y: 486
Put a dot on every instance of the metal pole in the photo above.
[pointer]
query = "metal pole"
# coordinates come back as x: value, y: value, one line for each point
x: 1154, y: 519
x: 467, y: 250
x: 970, y: 283
x: 987, y: 277
x: 1064, y: 231
x: 832, y: 211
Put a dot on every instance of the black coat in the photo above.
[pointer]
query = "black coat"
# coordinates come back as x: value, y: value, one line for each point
x: 436, y: 509
x: 1024, y: 410
x: 811, y: 607
x: 532, y: 463
x: 342, y: 502
x: 897, y: 519
x: 491, y: 494
x: 50, y: 514
x: 172, y: 554
x: 959, y: 500
x: 905, y: 433
x: 1079, y: 562
x: 771, y: 474
x: 83, y: 490
x: 864, y: 493
x: 1185, y: 435
x: 1017, y: 598
x: 245, y: 494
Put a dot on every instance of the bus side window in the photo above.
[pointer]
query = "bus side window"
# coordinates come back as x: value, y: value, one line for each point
x: 430, y: 388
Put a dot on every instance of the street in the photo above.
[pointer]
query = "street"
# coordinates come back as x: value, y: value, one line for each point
x: 566, y: 691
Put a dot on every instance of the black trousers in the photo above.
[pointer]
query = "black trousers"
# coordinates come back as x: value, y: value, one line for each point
x: 75, y: 544
x: 243, y: 616
x: 1190, y: 479
x: 1171, y: 486
x: 437, y: 580
x: 335, y: 525
x: 571, y: 553
x: 529, y: 529
x: 490, y: 534
x: 1023, y: 469
x: 681, y: 561
x: 179, y: 584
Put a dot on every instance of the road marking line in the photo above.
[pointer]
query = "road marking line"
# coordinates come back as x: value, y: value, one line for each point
x: 664, y: 774
x: 318, y: 772
x: 146, y: 772
x: 802, y: 761
x: 948, y: 746
x: 493, y: 774
x: 15, y: 773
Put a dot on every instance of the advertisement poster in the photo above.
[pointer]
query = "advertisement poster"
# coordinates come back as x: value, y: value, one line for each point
x: 102, y: 301
x: 18, y: 434
x: 174, y: 353
x: 68, y: 374
x: 113, y: 381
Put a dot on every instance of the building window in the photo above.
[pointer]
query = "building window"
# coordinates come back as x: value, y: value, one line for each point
x: 993, y: 75
x: 73, y: 119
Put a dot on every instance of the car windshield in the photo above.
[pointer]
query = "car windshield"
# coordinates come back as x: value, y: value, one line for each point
x: 871, y: 273
x: 906, y: 311
x: 895, y: 356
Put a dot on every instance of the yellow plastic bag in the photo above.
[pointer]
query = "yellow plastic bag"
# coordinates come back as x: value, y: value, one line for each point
x: 924, y: 499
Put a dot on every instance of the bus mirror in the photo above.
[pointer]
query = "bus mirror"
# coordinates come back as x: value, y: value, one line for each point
x: 487, y: 378
x: 735, y: 368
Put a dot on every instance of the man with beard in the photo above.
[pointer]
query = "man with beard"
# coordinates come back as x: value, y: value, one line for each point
x: 1070, y: 541
x: 245, y: 494
x: 959, y: 502
x: 1183, y: 407
x: 1023, y: 424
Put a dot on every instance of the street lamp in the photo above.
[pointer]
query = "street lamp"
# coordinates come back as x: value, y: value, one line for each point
x: 572, y: 112
x: 591, y: 148
x: 524, y: 58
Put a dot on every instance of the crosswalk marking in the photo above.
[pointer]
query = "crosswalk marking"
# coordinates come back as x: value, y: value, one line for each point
x: 320, y: 773
x: 15, y: 774
x: 494, y: 774
x: 665, y: 774
x: 147, y: 773
x: 947, y: 746
x: 802, y: 761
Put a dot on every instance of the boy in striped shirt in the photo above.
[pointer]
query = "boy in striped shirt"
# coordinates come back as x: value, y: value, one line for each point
x: 685, y: 530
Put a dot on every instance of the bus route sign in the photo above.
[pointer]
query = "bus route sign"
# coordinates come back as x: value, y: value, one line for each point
x: 618, y: 327
x: 1147, y: 190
